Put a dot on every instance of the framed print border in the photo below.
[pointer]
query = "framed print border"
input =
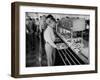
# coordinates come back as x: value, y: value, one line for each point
x: 15, y: 39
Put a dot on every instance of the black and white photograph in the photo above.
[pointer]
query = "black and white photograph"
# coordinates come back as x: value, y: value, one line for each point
x: 51, y: 39
x: 54, y: 39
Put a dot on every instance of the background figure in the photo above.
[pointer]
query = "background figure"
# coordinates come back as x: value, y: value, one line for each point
x: 42, y: 23
x: 32, y: 42
x: 37, y: 25
x: 49, y: 39
x: 29, y: 34
x: 42, y: 27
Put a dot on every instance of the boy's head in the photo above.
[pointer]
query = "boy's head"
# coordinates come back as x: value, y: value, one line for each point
x: 50, y: 20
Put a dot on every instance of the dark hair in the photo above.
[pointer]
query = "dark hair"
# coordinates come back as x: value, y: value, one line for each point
x: 88, y: 22
x: 51, y: 17
x: 29, y: 18
x: 57, y: 18
x: 40, y: 16
x: 37, y: 18
x: 67, y: 17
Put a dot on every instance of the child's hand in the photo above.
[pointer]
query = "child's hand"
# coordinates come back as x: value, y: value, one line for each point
x: 57, y: 47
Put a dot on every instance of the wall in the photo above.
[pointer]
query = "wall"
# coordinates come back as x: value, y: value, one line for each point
x: 5, y: 40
